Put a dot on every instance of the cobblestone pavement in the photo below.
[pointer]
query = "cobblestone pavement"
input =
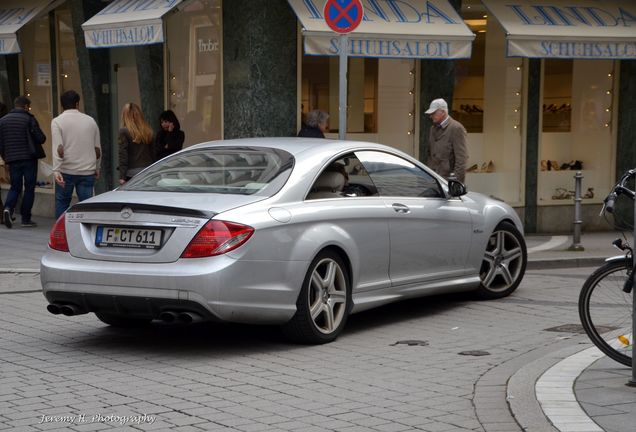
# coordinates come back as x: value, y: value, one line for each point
x: 76, y: 373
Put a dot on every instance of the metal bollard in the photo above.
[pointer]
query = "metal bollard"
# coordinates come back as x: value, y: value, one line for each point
x: 576, y: 237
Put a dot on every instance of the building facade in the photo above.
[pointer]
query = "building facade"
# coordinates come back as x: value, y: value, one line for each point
x: 539, y: 105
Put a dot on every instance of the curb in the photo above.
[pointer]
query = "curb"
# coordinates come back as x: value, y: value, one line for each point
x: 539, y: 264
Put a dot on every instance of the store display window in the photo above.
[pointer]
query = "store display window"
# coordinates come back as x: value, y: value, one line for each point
x: 68, y: 65
x: 37, y: 75
x: 320, y: 90
x: 557, y: 95
x: 194, y: 51
x: 488, y: 101
x: 578, y: 101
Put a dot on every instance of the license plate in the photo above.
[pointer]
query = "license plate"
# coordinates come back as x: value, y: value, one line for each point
x: 128, y: 237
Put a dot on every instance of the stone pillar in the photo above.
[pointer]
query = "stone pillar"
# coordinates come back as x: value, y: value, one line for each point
x: 626, y: 142
x: 626, y: 139
x: 437, y: 80
x: 94, y: 65
x: 259, y: 68
x: 533, y: 112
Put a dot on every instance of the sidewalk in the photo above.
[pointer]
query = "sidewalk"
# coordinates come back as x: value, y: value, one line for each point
x: 596, y: 386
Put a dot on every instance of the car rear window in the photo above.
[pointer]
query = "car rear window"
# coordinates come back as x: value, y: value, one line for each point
x: 223, y: 170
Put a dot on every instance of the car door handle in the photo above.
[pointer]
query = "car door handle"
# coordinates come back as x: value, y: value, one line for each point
x: 401, y: 208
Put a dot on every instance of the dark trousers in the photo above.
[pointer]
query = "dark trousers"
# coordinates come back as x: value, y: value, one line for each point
x: 23, y: 174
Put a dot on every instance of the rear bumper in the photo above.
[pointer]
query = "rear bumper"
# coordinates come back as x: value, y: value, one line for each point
x: 217, y: 288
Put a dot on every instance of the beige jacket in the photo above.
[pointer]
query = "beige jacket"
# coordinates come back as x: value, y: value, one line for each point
x: 447, y: 149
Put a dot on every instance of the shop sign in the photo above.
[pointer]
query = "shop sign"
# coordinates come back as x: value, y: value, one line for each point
x: 9, y: 45
x: 584, y: 29
x: 128, y: 22
x: 392, y: 29
x: 43, y: 74
x: 124, y: 36
x: 13, y: 15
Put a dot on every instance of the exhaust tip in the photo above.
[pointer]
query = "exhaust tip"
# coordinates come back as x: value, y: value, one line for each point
x: 54, y: 309
x: 188, y: 317
x: 68, y: 310
x: 168, y: 316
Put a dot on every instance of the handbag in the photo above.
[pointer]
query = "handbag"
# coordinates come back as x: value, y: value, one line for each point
x: 35, y: 148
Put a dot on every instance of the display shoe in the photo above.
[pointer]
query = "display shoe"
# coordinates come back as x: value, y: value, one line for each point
x: 555, y: 165
x: 561, y: 193
x: 544, y: 165
x: 576, y: 165
x: 473, y: 168
x: 484, y: 167
x: 589, y: 193
x: 565, y: 166
x: 490, y: 167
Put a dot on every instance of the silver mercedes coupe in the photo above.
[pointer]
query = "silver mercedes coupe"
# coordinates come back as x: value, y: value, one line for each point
x: 288, y: 231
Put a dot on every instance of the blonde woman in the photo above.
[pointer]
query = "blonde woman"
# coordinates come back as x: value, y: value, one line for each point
x: 136, y: 149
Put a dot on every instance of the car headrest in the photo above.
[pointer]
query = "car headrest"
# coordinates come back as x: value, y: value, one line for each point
x: 330, y: 181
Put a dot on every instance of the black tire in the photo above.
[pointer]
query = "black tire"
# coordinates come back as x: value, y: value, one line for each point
x: 605, y: 309
x: 504, y: 263
x: 121, y: 321
x: 326, y: 291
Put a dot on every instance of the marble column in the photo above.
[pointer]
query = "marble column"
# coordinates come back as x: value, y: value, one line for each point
x: 94, y: 65
x: 259, y: 68
x: 533, y: 112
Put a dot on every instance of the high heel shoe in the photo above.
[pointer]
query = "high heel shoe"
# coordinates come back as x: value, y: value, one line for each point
x: 589, y: 193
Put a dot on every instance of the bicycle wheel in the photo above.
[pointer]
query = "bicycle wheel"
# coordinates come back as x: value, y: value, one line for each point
x: 606, y: 311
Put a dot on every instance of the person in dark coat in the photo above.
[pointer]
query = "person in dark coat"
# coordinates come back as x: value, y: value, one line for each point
x: 23, y: 164
x: 316, y: 124
x: 170, y: 138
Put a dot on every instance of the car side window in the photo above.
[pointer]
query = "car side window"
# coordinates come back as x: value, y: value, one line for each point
x: 395, y: 176
x: 344, y: 177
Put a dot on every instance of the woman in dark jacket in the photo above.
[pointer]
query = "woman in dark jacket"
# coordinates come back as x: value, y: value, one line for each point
x: 170, y: 138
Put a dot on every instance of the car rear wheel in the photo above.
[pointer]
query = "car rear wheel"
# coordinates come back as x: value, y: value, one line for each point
x: 504, y: 262
x: 116, y: 320
x: 323, y: 303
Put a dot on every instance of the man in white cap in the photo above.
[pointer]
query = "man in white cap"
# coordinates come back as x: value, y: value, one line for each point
x: 447, y: 149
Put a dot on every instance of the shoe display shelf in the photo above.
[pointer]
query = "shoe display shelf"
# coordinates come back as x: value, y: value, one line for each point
x: 561, y: 184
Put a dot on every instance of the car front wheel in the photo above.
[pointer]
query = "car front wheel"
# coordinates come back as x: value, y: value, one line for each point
x: 323, y: 303
x: 504, y: 262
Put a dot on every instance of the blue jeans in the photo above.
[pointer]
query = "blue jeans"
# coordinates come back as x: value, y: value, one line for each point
x: 23, y: 173
x: 83, y: 185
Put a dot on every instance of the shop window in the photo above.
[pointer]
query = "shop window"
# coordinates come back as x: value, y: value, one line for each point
x: 36, y: 73
x: 468, y: 96
x: 557, y: 95
x: 68, y: 66
x: 195, y: 68
x: 320, y: 87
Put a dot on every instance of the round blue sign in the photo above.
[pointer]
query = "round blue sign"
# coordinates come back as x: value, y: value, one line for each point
x: 343, y: 16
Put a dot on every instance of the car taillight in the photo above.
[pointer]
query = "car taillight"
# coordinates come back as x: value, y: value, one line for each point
x: 216, y: 238
x: 57, y: 238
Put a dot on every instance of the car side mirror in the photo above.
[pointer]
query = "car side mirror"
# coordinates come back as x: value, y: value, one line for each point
x: 456, y: 188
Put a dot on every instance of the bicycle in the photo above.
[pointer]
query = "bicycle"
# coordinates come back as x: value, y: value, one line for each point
x: 605, y: 301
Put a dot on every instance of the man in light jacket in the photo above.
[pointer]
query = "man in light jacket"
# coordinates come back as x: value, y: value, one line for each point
x: 447, y: 149
x: 76, y: 153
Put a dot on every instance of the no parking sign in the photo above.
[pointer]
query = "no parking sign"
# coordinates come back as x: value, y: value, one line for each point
x: 343, y: 16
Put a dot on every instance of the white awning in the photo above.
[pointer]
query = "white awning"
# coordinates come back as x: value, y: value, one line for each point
x: 13, y: 15
x: 579, y: 29
x: 127, y: 22
x: 427, y: 29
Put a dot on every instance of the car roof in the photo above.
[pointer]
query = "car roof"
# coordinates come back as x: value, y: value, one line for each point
x: 295, y: 146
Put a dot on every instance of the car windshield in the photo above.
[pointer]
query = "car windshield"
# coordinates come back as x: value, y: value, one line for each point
x: 223, y: 170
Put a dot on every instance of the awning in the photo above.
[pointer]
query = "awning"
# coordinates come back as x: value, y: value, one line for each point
x: 580, y: 29
x: 127, y: 23
x: 13, y: 15
x: 429, y: 29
